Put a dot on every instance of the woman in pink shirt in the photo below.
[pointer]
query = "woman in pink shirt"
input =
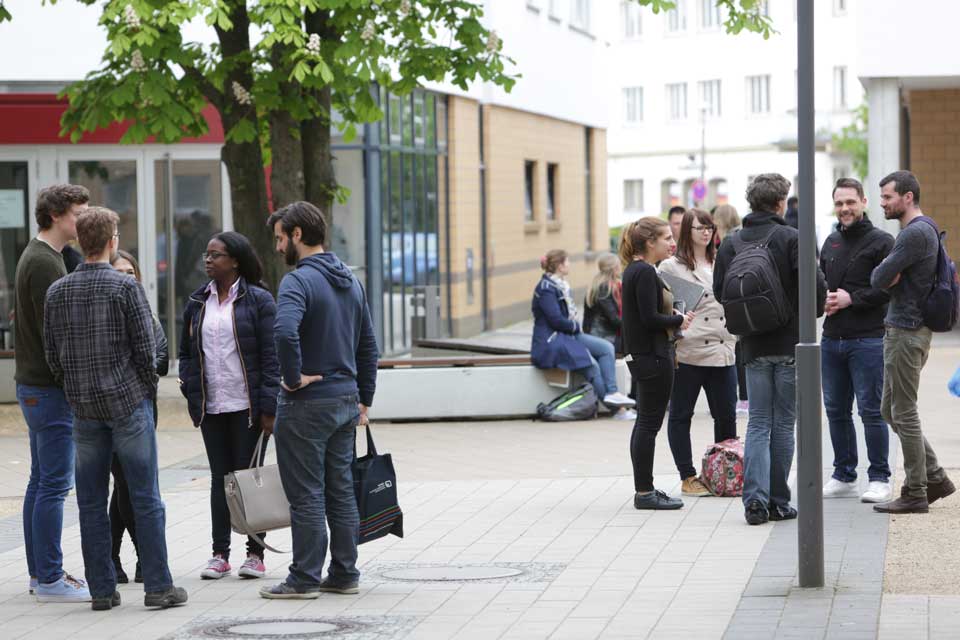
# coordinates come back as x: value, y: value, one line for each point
x: 230, y: 377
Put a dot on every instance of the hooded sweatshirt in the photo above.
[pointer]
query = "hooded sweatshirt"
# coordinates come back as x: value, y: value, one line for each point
x: 323, y: 327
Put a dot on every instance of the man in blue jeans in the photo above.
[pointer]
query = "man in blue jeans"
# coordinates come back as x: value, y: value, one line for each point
x: 99, y: 342
x: 328, y: 367
x: 769, y: 356
x: 852, y: 345
x: 45, y: 408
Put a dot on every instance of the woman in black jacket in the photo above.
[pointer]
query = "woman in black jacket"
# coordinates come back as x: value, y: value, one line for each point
x: 230, y: 376
x: 121, y: 510
x: 649, y: 323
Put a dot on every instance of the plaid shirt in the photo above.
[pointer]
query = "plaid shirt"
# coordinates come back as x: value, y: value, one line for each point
x: 99, y: 343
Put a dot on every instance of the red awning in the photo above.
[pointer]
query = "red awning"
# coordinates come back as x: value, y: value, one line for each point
x: 34, y: 118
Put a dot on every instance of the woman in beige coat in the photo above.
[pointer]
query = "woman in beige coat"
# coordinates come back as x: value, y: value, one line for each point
x: 705, y: 353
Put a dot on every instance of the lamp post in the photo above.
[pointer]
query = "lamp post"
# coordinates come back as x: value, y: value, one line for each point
x: 809, y: 441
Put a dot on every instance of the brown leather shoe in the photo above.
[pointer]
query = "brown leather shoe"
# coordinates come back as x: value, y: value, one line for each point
x: 940, y: 490
x: 903, y: 504
x: 934, y: 491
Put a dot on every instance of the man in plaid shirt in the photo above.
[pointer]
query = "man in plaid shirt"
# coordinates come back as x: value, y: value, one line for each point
x: 98, y: 341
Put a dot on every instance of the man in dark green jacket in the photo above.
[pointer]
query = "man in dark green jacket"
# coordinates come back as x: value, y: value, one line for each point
x: 44, y: 405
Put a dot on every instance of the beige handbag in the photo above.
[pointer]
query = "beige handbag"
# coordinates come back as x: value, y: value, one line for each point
x: 256, y: 499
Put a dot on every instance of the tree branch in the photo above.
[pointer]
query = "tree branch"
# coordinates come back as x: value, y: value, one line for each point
x: 210, y: 92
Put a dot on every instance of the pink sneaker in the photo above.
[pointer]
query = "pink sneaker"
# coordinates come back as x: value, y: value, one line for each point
x: 216, y: 568
x: 252, y: 568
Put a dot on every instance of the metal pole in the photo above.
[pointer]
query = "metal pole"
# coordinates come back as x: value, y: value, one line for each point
x: 809, y: 454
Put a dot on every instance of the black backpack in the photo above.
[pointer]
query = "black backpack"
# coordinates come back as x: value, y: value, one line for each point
x: 579, y: 404
x: 754, y: 300
x: 941, y: 306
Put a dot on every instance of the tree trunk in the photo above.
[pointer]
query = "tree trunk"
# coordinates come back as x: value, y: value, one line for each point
x: 319, y: 179
x: 244, y: 160
x: 286, y: 150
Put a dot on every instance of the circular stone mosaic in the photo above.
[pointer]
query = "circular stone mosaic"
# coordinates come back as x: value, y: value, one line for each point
x: 451, y: 574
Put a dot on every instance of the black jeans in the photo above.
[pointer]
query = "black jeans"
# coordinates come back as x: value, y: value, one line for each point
x: 230, y: 442
x: 121, y: 509
x: 654, y: 379
x: 720, y: 383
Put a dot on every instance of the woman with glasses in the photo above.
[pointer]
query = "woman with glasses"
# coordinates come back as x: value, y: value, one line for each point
x: 705, y: 355
x: 121, y: 510
x: 230, y: 376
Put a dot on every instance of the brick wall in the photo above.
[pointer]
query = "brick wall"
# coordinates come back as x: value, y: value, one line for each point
x: 935, y: 157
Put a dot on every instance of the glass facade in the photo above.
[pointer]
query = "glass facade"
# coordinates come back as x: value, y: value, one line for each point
x: 406, y: 176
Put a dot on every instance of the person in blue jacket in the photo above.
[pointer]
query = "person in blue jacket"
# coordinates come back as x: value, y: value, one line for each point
x: 558, y: 340
x: 230, y: 375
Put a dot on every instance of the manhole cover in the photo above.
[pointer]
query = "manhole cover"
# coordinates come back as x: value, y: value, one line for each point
x: 266, y: 628
x: 442, y: 574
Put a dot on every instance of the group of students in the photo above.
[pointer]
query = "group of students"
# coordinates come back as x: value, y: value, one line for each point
x: 875, y: 341
x: 89, y: 353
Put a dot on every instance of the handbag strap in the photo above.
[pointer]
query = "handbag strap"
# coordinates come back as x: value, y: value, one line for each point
x: 254, y: 535
x: 371, y: 448
x: 256, y: 460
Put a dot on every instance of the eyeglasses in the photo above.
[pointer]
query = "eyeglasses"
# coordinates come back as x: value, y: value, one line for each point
x: 709, y: 228
x: 213, y: 255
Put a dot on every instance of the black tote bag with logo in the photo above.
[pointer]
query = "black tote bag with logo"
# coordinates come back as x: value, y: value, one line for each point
x: 375, y: 485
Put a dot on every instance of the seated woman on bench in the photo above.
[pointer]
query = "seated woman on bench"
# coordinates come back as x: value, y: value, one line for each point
x: 558, y: 341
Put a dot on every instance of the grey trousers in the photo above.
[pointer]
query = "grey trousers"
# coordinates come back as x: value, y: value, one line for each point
x: 905, y: 353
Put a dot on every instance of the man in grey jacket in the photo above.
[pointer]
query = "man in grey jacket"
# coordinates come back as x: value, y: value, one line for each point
x: 909, y: 272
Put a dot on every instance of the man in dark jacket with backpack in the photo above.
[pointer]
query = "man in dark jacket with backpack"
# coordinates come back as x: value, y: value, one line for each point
x: 910, y: 273
x: 852, y: 345
x: 755, y: 278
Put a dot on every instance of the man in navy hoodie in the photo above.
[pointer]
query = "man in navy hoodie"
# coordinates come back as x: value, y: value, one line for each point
x: 328, y: 366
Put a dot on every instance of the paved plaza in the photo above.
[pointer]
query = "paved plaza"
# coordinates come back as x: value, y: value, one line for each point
x: 519, y: 529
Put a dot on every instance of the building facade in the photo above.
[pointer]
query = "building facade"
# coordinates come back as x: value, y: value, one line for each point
x: 694, y: 103
x: 454, y: 195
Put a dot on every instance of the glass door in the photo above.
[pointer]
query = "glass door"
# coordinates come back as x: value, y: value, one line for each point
x: 189, y: 211
x: 14, y: 235
x: 113, y: 184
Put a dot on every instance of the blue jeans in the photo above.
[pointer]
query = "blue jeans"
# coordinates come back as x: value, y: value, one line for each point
x: 854, y: 367
x: 768, y: 450
x: 50, y: 423
x: 134, y: 441
x: 720, y: 385
x: 315, y: 447
x: 602, y: 373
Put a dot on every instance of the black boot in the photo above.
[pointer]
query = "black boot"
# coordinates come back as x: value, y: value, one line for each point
x: 121, y: 574
x: 137, y: 576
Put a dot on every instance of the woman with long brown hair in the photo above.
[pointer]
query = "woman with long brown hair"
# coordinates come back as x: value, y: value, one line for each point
x: 649, y: 323
x: 705, y: 356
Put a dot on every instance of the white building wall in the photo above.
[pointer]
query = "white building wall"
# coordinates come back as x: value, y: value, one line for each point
x: 739, y: 144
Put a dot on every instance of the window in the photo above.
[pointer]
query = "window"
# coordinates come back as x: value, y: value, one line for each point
x: 677, y: 17
x: 758, y: 94
x: 630, y: 17
x: 580, y: 14
x: 633, y: 104
x: 553, y: 9
x: 529, y: 182
x: 840, y: 172
x: 551, y: 191
x: 840, y: 87
x: 677, y: 101
x: 710, y: 97
x: 839, y: 7
x: 709, y: 14
x: 633, y: 195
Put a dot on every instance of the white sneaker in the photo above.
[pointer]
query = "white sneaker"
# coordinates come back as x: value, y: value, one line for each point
x: 626, y: 414
x: 877, y: 492
x: 837, y: 489
x: 743, y: 407
x: 617, y: 399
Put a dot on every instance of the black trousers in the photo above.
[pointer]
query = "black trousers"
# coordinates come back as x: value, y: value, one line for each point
x: 121, y: 509
x: 654, y: 381
x: 720, y: 384
x: 741, y: 373
x: 230, y: 442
